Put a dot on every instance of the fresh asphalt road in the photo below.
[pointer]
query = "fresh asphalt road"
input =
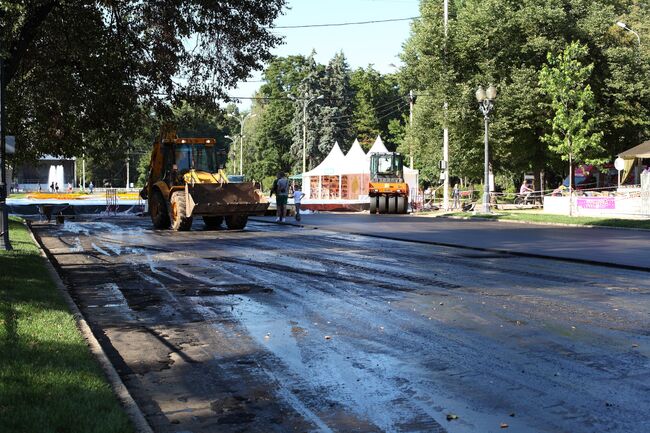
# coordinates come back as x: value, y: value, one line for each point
x: 622, y: 247
x: 278, y: 328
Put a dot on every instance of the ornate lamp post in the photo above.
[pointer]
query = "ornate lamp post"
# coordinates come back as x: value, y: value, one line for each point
x: 485, y: 100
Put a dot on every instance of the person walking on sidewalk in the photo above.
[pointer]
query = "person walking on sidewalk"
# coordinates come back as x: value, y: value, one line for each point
x: 456, y: 196
x: 281, y: 189
x: 297, y: 197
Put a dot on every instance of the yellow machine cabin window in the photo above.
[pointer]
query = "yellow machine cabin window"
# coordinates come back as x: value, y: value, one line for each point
x: 198, y: 157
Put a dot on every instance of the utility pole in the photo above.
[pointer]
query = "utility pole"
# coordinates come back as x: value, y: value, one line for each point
x: 128, y: 167
x: 4, y: 214
x: 127, y: 170
x: 445, y: 131
x: 411, y: 101
x: 306, y: 102
x: 83, y: 163
x: 242, y: 119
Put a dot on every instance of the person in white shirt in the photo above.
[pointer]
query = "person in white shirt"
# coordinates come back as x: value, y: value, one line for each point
x: 297, y: 197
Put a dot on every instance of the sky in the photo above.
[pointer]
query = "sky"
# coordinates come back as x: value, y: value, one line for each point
x: 378, y: 44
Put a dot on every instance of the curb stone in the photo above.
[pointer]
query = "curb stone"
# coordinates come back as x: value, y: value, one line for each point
x: 541, y: 223
x: 128, y: 403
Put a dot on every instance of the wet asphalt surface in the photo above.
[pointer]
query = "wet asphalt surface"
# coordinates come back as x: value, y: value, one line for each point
x: 287, y: 329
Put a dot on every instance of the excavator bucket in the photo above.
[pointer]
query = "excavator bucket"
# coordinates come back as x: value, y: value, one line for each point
x: 211, y: 199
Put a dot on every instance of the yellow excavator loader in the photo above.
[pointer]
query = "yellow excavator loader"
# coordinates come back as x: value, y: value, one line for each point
x: 187, y: 179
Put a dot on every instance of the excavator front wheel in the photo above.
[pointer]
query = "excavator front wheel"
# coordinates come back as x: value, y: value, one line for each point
x: 158, y: 210
x: 178, y: 212
x: 236, y: 222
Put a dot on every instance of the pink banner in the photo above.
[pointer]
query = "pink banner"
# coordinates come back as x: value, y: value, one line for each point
x: 597, y: 202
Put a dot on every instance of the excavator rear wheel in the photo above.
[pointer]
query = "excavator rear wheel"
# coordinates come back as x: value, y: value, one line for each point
x: 236, y: 222
x: 178, y: 212
x: 213, y: 222
x: 373, y: 205
x: 158, y: 210
x: 402, y: 206
x: 381, y: 205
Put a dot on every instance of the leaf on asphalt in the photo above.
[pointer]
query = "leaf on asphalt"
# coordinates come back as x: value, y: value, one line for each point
x: 451, y: 416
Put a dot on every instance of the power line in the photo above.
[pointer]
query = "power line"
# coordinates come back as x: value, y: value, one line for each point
x: 355, y: 23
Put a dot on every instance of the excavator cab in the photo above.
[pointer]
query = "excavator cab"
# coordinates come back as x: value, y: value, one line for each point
x: 387, y: 189
x: 199, y: 156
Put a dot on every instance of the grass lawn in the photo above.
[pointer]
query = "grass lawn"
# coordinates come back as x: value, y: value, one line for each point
x: 49, y: 381
x: 538, y: 217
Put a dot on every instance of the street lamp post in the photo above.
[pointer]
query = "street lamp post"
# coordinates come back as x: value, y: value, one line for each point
x: 486, y: 104
x: 304, y: 130
x: 242, y: 119
x: 625, y: 27
x: 234, y: 153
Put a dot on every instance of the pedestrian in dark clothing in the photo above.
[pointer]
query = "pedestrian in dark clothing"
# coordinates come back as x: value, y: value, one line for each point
x: 280, y: 188
x: 56, y: 187
x: 52, y: 187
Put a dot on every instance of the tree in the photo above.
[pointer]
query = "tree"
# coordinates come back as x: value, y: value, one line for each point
x: 271, y: 133
x: 80, y: 71
x: 564, y: 81
x: 505, y: 43
x: 310, y: 88
x: 377, y: 102
x: 337, y: 113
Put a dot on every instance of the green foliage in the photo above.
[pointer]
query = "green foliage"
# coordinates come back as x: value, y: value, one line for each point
x: 80, y: 71
x: 352, y: 103
x: 564, y: 80
x: 337, y: 107
x: 271, y: 132
x: 505, y: 43
x: 379, y: 107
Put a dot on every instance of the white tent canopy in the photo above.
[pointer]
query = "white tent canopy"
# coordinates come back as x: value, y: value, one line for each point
x: 377, y: 147
x: 331, y: 165
x: 356, y: 160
